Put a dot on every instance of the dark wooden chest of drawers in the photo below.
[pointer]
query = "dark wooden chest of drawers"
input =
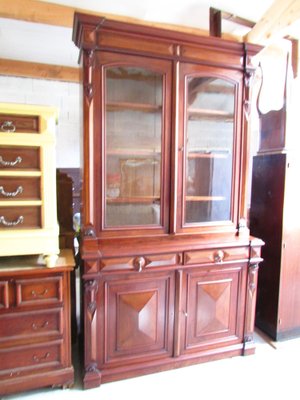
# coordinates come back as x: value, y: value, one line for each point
x: 35, y: 337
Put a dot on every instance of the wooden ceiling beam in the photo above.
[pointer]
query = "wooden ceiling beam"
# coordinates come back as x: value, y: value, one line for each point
x: 61, y: 15
x: 275, y: 23
x: 37, y: 11
x: 27, y: 69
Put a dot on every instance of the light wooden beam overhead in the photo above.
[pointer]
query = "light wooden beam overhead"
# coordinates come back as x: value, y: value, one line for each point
x: 275, y: 23
x: 40, y: 71
x: 37, y: 11
x: 60, y: 15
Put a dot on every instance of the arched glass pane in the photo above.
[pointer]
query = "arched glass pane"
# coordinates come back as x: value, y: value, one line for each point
x: 133, y: 147
x: 209, y: 149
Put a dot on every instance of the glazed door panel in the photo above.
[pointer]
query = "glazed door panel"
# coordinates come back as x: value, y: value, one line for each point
x: 135, y: 109
x: 208, y: 139
x: 214, y: 307
x: 140, y: 314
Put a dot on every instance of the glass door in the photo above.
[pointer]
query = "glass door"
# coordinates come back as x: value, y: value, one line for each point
x: 136, y: 143
x: 209, y: 126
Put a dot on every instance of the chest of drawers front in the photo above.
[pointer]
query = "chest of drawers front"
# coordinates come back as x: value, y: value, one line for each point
x: 34, y: 329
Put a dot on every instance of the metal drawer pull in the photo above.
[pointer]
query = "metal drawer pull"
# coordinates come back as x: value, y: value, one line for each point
x: 18, y: 160
x: 39, y: 359
x: 219, y: 256
x: 35, y: 294
x: 35, y: 327
x: 8, y: 126
x: 11, y: 223
x: 139, y: 263
x: 14, y: 373
x: 11, y: 194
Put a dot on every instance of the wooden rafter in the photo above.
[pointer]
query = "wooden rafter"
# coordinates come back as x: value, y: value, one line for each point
x: 275, y: 22
x: 39, y: 70
x: 61, y: 15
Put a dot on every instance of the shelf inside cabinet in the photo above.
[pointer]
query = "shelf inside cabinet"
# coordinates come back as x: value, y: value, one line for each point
x: 199, y: 154
x: 215, y: 115
x: 133, y: 152
x: 136, y: 199
x: 205, y: 198
x: 128, y: 106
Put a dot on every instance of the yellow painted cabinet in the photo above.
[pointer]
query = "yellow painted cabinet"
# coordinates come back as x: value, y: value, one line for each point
x: 28, y: 212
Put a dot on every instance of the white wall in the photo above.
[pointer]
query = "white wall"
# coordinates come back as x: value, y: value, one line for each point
x: 63, y: 95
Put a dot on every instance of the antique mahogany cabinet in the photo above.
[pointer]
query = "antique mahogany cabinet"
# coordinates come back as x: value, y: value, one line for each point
x: 169, y: 269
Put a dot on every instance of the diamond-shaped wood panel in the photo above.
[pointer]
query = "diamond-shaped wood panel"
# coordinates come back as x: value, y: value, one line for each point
x: 212, y: 307
x: 140, y: 315
x: 136, y: 323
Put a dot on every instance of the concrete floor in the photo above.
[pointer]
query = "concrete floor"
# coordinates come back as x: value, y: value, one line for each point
x: 271, y: 374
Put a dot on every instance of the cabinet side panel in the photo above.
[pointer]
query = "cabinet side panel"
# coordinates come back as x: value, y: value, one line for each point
x: 266, y: 222
x: 289, y: 304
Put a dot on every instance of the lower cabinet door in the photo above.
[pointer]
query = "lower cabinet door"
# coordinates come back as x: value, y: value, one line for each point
x: 140, y: 317
x: 214, y: 304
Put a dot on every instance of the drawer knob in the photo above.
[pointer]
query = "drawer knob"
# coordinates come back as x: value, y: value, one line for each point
x: 19, y: 190
x: 8, y: 127
x: 139, y: 263
x: 4, y: 163
x: 11, y: 223
x: 219, y: 256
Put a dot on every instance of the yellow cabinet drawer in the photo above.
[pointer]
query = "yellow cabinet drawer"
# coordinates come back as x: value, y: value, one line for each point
x: 20, y: 188
x: 10, y: 123
x: 20, y: 217
x: 17, y: 157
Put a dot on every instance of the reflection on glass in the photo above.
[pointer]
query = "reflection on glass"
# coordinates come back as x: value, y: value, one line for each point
x: 210, y: 129
x: 133, y: 147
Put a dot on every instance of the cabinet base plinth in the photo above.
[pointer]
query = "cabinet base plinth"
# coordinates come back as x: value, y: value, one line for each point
x: 59, y: 378
x: 92, y: 379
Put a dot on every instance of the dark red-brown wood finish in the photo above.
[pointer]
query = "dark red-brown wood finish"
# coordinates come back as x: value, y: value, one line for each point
x: 274, y: 207
x: 35, y: 334
x: 154, y: 291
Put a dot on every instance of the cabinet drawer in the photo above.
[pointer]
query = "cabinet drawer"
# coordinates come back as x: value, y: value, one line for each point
x: 139, y: 263
x: 23, y: 188
x: 14, y: 360
x: 4, y: 295
x: 30, y: 325
x: 15, y: 158
x: 20, y: 217
x: 39, y: 291
x: 216, y: 255
x: 19, y: 123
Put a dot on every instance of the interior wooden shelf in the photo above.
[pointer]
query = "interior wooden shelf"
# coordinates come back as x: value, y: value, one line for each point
x: 216, y: 115
x: 134, y: 152
x: 138, y: 199
x: 207, y: 155
x: 205, y: 198
x: 123, y: 106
